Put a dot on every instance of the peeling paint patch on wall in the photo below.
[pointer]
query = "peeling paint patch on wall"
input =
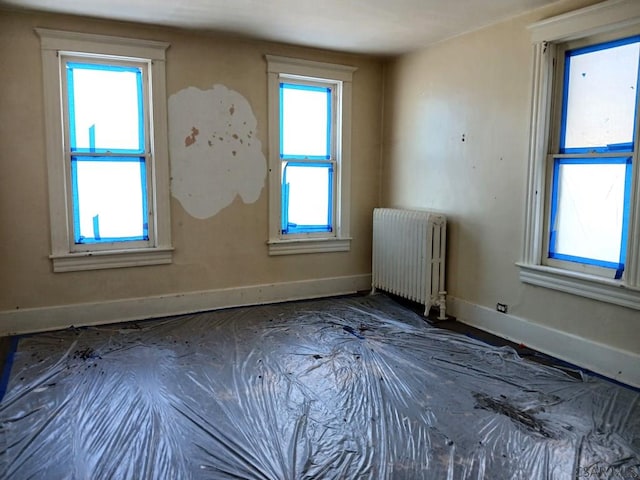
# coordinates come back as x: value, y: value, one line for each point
x: 215, y: 154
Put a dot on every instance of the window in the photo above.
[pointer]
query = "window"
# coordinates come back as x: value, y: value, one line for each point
x: 307, y: 155
x: 591, y: 169
x: 107, y: 152
x: 105, y: 108
x: 309, y: 143
x: 583, y: 202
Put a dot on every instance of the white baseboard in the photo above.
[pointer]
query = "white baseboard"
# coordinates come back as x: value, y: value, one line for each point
x: 620, y: 365
x: 53, y: 318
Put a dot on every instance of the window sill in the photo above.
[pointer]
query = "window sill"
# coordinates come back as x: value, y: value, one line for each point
x: 299, y: 246
x: 111, y: 259
x: 589, y: 286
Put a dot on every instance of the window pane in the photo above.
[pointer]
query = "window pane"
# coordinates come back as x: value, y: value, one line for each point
x: 109, y: 199
x: 307, y: 198
x: 601, y: 99
x: 589, y: 211
x: 105, y: 108
x: 305, y: 116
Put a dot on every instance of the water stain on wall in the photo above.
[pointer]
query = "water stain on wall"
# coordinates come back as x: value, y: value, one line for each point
x: 191, y: 139
x: 215, y: 155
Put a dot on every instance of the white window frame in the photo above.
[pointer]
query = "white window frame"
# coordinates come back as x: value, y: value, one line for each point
x: 65, y: 255
x: 547, y: 37
x: 340, y: 76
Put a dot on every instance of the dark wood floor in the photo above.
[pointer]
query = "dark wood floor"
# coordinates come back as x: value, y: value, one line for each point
x: 523, y: 351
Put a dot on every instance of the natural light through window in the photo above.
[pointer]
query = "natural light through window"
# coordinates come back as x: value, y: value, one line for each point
x: 306, y: 121
x: 591, y: 173
x: 105, y: 108
x: 588, y: 201
x: 105, y: 103
x: 601, y: 102
x: 582, y: 215
x: 309, y: 106
x: 106, y: 149
x: 307, y: 160
x: 110, y: 200
x: 308, y: 189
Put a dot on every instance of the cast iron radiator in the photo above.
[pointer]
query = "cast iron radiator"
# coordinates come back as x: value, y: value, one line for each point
x: 409, y: 255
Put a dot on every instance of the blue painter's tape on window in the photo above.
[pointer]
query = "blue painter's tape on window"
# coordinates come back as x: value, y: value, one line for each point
x: 75, y: 200
x: 301, y: 136
x: 309, y: 88
x: 592, y: 161
x: 620, y: 147
x: 90, y: 241
x: 565, y: 102
x: 552, y: 243
x: 96, y: 227
x: 329, y: 122
x: 305, y: 157
x: 603, y: 46
x: 92, y: 138
x: 573, y: 85
x: 117, y: 151
x: 101, y: 66
x: 89, y: 226
x: 72, y: 109
x: 290, y: 227
x: 77, y: 92
x: 625, y: 219
x: 614, y: 148
x: 285, y: 204
x: 141, y: 122
x: 554, y: 207
x: 293, y: 228
x: 145, y: 206
x: 587, y: 261
x: 555, y: 194
x: 281, y: 119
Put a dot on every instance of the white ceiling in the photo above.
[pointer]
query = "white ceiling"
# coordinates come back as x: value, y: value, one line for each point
x: 380, y: 27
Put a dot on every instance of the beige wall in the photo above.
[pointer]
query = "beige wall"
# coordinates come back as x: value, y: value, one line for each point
x: 226, y: 250
x: 478, y: 86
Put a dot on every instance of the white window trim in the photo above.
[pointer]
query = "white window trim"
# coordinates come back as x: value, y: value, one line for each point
x: 604, y: 17
x: 52, y: 42
x: 340, y: 240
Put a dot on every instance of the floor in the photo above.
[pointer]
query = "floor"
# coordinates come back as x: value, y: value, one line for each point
x: 452, y: 325
x: 357, y: 387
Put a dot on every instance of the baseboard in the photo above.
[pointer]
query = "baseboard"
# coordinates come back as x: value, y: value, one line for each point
x: 56, y: 317
x: 619, y: 365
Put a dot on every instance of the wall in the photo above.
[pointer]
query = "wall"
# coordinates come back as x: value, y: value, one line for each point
x: 215, y: 251
x: 456, y: 141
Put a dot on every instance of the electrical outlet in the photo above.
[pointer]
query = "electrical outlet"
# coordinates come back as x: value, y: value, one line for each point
x: 502, y: 307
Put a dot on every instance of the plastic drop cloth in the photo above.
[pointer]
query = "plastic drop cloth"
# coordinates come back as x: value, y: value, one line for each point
x: 331, y: 389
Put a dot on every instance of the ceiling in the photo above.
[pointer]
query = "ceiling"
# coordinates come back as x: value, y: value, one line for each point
x: 378, y: 27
